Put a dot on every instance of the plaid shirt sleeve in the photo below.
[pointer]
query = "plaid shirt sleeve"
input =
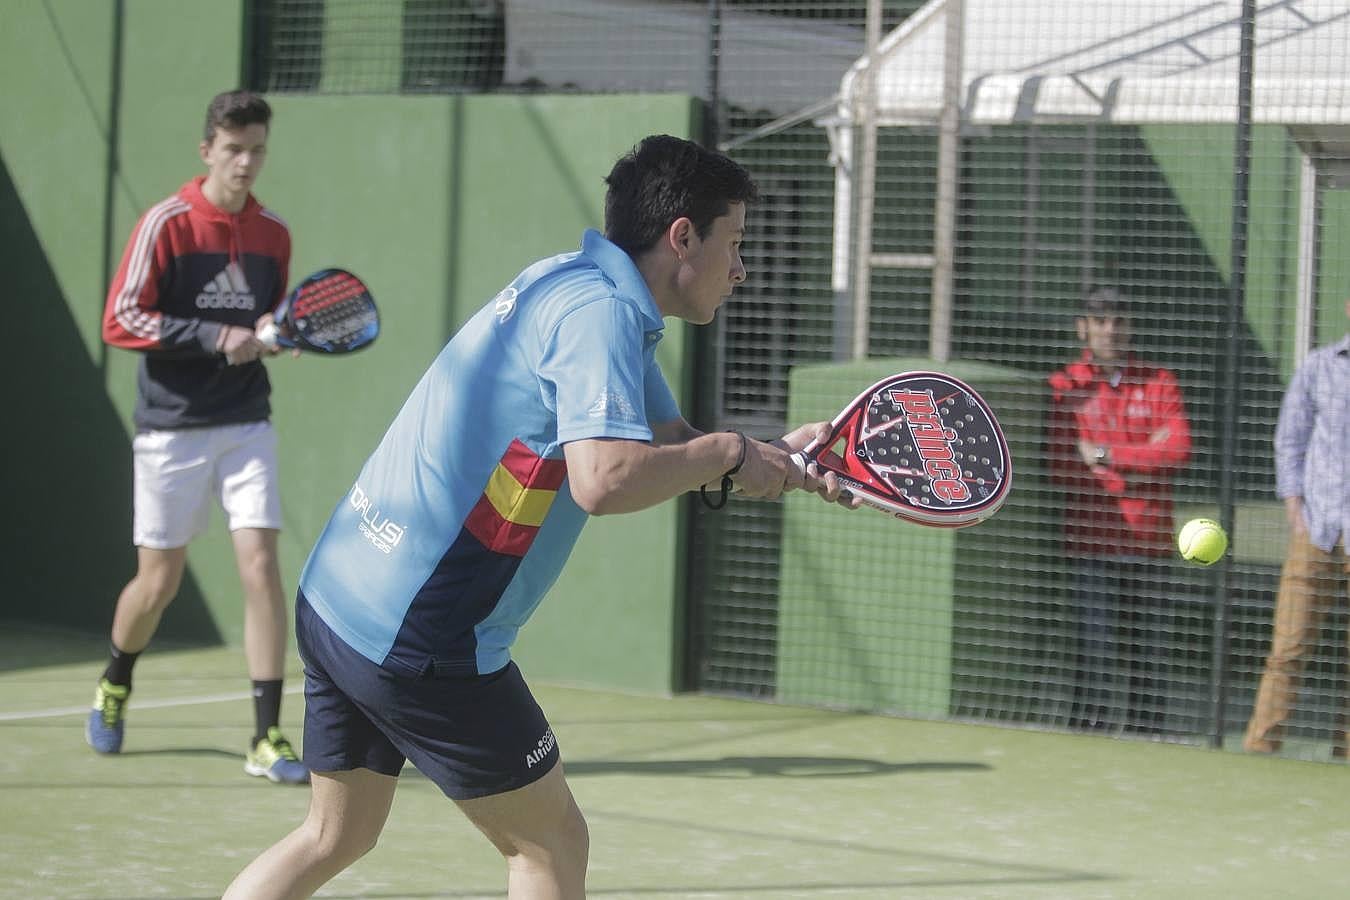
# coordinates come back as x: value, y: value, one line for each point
x: 1293, y: 431
x: 1310, y: 457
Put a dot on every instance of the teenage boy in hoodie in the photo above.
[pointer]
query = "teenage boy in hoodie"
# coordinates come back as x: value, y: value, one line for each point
x: 202, y: 270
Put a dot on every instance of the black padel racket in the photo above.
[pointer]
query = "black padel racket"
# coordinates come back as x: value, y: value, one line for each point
x: 331, y: 311
x: 920, y: 446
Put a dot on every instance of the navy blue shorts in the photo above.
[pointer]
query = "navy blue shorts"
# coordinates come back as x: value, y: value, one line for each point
x: 472, y: 735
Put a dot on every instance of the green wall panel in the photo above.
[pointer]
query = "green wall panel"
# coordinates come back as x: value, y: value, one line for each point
x: 1188, y: 155
x: 55, y: 63
x: 437, y: 200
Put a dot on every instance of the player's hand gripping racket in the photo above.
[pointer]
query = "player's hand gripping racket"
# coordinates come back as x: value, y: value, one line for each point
x: 920, y: 446
x: 331, y: 311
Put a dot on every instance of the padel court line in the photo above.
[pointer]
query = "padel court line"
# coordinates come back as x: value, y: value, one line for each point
x: 148, y: 704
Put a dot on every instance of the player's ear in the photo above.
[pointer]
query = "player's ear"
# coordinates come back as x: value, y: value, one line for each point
x: 681, y: 235
x: 204, y: 150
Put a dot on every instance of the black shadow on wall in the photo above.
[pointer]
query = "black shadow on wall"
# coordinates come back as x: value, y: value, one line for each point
x: 66, y: 522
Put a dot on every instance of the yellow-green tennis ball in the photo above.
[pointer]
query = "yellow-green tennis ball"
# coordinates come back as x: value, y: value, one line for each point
x: 1203, y: 541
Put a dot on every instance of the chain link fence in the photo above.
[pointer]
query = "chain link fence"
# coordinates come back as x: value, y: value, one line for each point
x: 1100, y: 145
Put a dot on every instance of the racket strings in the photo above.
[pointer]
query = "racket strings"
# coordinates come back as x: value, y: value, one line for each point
x: 892, y: 455
x: 337, y: 324
x: 334, y: 312
x: 325, y: 293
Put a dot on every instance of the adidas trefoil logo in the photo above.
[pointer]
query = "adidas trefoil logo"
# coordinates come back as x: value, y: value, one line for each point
x: 228, y: 290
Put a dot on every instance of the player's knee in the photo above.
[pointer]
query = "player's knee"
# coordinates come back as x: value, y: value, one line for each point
x: 355, y: 847
x: 563, y: 867
x: 570, y: 847
x: 578, y: 835
x: 343, y: 845
x: 573, y: 836
x: 562, y: 850
x: 259, y: 567
x: 155, y: 590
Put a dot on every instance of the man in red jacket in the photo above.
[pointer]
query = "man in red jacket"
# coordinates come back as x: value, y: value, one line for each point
x: 1117, y: 435
x: 202, y: 270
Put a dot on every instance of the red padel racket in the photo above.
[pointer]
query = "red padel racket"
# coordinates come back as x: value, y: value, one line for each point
x: 331, y: 311
x: 920, y: 446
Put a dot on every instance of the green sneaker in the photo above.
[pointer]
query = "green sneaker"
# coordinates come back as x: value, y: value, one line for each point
x: 103, y: 729
x: 272, y: 758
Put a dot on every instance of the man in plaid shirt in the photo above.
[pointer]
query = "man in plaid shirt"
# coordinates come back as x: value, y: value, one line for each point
x: 1312, y: 477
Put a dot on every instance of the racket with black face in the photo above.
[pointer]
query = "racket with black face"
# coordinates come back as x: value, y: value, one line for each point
x: 330, y: 312
x: 920, y: 446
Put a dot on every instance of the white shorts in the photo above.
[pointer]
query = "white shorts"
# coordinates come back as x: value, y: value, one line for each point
x: 178, y: 472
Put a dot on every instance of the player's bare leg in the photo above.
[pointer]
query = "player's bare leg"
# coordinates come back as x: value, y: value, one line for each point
x: 255, y: 551
x: 271, y: 754
x: 142, y: 602
x: 542, y: 834
x: 139, y: 609
x: 347, y: 812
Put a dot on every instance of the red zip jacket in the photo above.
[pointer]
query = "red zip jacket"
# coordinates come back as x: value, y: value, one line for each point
x: 189, y: 268
x: 1125, y: 507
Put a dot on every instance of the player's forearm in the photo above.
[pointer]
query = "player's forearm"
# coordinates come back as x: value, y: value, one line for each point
x: 154, y: 332
x: 617, y: 476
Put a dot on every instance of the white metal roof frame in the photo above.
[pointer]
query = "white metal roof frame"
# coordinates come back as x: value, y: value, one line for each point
x: 1134, y: 62
x: 1107, y: 61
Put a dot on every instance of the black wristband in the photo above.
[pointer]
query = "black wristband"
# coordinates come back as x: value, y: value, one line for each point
x: 726, y: 477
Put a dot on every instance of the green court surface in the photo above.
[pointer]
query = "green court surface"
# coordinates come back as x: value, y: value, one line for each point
x: 686, y: 797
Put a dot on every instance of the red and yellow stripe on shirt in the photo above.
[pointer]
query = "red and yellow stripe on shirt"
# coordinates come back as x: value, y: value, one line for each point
x: 518, y: 496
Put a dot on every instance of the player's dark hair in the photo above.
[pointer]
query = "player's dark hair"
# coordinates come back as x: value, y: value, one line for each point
x: 666, y: 178
x: 233, y: 110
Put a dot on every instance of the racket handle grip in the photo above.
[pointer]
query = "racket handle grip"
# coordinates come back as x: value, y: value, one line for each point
x: 803, y: 458
x: 270, y: 334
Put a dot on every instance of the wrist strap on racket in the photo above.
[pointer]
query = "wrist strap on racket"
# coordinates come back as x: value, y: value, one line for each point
x: 726, y: 478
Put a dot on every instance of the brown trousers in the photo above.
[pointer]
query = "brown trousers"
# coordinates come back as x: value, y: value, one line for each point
x: 1310, y: 586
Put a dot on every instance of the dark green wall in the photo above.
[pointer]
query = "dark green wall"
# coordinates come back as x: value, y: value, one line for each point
x: 435, y: 200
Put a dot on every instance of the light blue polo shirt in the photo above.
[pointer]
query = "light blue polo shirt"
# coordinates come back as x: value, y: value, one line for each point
x: 461, y: 520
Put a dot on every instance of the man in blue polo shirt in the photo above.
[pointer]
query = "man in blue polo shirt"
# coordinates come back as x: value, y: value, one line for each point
x: 546, y: 407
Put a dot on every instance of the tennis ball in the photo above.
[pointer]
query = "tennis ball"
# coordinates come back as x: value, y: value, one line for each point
x: 1203, y: 541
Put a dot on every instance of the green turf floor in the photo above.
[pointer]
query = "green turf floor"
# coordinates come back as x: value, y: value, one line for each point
x: 690, y: 797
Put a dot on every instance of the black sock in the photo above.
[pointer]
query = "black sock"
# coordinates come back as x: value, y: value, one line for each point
x: 120, y: 663
x: 266, y: 707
